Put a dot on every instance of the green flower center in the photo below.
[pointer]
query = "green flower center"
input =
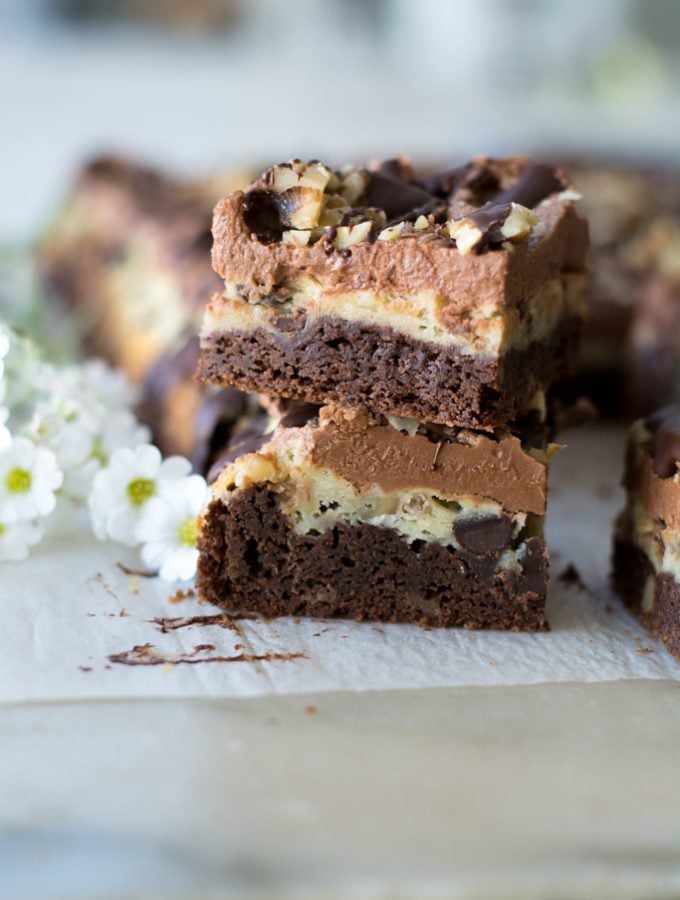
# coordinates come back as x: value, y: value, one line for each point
x: 97, y: 452
x: 3, y: 529
x: 139, y: 490
x: 187, y: 532
x: 18, y: 481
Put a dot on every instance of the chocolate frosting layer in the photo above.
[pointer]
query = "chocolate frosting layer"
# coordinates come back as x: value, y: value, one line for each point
x: 404, y: 266
x: 366, y: 453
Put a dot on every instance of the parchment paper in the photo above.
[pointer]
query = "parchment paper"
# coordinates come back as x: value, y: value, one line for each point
x: 71, y: 618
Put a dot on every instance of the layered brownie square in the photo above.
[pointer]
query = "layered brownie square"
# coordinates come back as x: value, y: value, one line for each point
x: 646, y: 566
x: 129, y: 256
x: 129, y: 253
x: 654, y: 344
x: 344, y: 512
x: 451, y: 299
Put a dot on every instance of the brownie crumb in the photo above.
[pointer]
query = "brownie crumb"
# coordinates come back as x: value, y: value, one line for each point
x: 571, y: 575
x: 141, y: 573
x: 181, y: 595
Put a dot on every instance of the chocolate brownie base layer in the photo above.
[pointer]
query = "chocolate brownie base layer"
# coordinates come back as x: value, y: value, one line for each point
x: 353, y: 364
x: 631, y: 571
x: 251, y: 559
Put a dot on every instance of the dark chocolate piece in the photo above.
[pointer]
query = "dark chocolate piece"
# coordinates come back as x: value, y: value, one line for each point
x: 534, y: 184
x: 484, y: 536
x: 400, y: 200
x: 214, y: 424
x: 249, y: 439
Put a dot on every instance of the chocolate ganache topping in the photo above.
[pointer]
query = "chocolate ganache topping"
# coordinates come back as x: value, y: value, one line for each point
x: 481, y: 192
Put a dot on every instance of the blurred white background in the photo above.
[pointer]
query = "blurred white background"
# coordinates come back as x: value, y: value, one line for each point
x: 199, y: 84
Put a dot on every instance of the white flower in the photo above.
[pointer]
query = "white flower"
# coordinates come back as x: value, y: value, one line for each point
x: 82, y: 444
x: 121, y: 490
x: 29, y: 477
x: 93, y: 385
x: 167, y: 528
x: 17, y: 537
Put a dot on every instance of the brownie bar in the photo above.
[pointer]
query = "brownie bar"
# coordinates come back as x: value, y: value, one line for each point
x: 454, y: 298
x: 357, y: 364
x: 339, y: 512
x: 654, y: 348
x: 129, y: 255
x: 646, y: 561
x: 626, y: 360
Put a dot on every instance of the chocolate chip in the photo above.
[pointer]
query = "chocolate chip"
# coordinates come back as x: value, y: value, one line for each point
x: 484, y: 536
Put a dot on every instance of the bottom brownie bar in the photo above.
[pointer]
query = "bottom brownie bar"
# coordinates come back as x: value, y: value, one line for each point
x: 335, y: 513
x: 646, y: 561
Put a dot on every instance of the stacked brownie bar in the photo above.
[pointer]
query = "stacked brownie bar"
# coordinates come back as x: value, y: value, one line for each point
x: 417, y: 325
x: 646, y: 568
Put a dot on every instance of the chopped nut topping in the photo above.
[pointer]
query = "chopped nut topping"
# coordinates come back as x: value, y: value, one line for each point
x: 353, y: 185
x: 519, y: 223
x: 349, y: 235
x: 252, y: 469
x: 389, y: 234
x: 465, y: 234
x: 296, y: 237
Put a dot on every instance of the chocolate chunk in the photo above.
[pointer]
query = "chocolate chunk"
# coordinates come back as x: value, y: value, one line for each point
x: 214, y: 422
x: 489, y: 220
x: 665, y: 428
x: 262, y: 215
x: 534, y: 568
x: 484, y: 536
x: 299, y: 417
x: 249, y: 439
x: 445, y: 183
x: 399, y: 199
x: 534, y: 184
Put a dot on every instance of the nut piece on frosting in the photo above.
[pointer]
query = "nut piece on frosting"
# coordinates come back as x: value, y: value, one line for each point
x: 493, y: 224
x: 520, y: 223
x: 299, y: 188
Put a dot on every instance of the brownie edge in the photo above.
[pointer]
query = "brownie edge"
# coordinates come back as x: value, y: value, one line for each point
x: 251, y: 559
x: 630, y: 575
x: 360, y: 365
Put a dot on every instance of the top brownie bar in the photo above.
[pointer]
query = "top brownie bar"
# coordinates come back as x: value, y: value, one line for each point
x: 452, y: 299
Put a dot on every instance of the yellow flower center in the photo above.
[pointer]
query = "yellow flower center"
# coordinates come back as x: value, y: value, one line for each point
x: 139, y: 490
x: 18, y: 481
x: 188, y: 532
x: 3, y: 529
